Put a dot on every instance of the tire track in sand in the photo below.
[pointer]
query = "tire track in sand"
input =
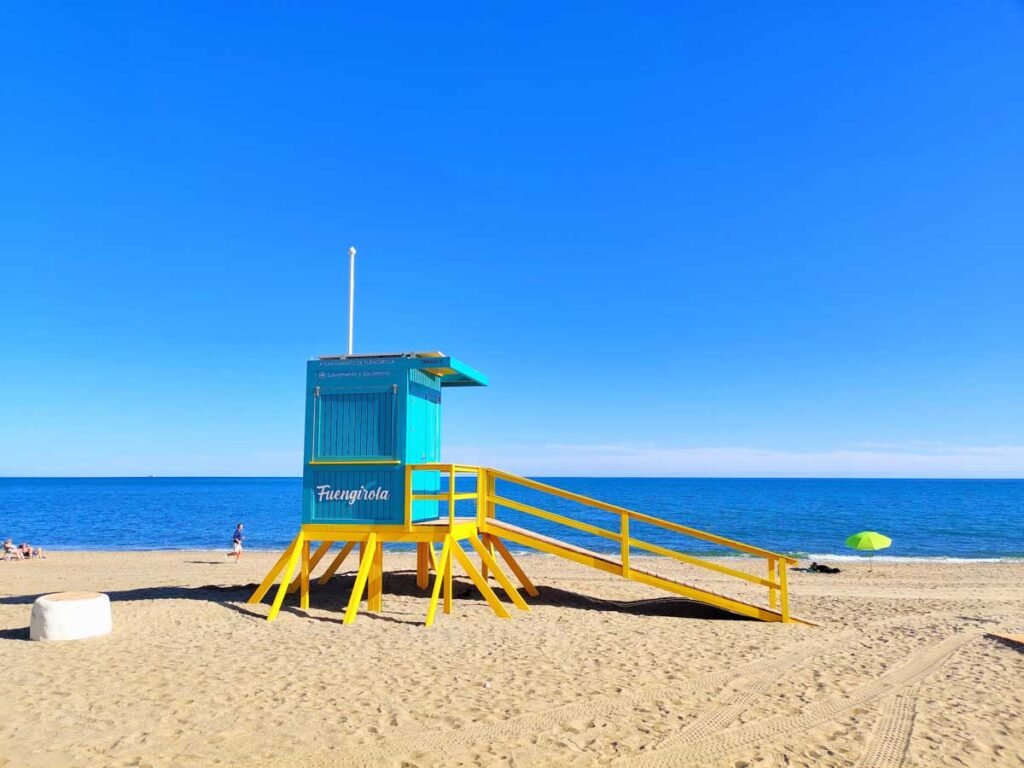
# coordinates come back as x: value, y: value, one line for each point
x: 891, y: 740
x: 685, y: 749
x: 538, y: 722
x: 717, y: 719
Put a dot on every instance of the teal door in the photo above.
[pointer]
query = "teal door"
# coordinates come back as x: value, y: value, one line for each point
x: 423, y: 446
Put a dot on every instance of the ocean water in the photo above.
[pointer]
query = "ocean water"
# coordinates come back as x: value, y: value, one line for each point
x: 970, y: 519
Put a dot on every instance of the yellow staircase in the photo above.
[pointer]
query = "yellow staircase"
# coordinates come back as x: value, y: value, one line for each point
x: 489, y: 504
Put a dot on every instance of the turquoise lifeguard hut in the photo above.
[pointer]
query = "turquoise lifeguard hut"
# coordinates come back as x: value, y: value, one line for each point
x: 367, y: 417
x: 372, y: 475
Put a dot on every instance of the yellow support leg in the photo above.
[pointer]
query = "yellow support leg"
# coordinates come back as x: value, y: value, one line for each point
x: 446, y: 569
x: 784, y: 590
x: 485, y: 568
x: 485, y: 589
x: 488, y: 560
x: 293, y: 561
x: 369, y: 548
x: 336, y: 563
x: 433, y: 557
x: 515, y: 567
x: 375, y: 587
x: 304, y: 578
x: 268, y: 582
x: 313, y: 562
x: 772, y: 597
x: 422, y: 566
x: 439, y: 580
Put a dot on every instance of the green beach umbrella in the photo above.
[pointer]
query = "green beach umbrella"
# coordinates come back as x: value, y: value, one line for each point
x: 868, y: 541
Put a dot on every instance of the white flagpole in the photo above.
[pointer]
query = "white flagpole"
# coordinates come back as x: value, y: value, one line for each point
x: 351, y: 292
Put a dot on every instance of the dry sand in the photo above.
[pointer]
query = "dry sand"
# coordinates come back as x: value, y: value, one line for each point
x: 599, y: 672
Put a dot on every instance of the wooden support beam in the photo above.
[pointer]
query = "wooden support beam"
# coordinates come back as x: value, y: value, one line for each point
x: 268, y: 581
x: 369, y: 548
x: 433, y: 557
x: 336, y: 563
x: 514, y: 565
x: 784, y: 590
x: 293, y: 561
x: 448, y: 578
x: 485, y: 589
x: 624, y: 544
x: 375, y: 587
x: 488, y: 560
x: 439, y: 579
x: 313, y: 561
x: 485, y: 539
x: 422, y: 566
x: 304, y: 578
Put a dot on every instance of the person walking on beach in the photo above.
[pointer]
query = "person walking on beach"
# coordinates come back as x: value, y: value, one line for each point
x: 236, y: 543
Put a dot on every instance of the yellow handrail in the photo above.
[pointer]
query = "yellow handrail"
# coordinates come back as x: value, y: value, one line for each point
x: 624, y: 542
x: 555, y: 518
x: 445, y: 496
x: 482, y: 488
x: 710, y: 537
x: 450, y: 496
x: 458, y: 468
x: 640, y: 517
x: 702, y: 563
x: 451, y: 499
x: 486, y: 500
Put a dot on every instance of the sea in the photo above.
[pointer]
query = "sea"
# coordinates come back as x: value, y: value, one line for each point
x: 810, y: 518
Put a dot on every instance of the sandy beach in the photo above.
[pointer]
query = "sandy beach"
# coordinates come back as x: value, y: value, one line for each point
x: 599, y: 672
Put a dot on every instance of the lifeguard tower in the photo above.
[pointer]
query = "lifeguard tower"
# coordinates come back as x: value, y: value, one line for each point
x: 371, y: 476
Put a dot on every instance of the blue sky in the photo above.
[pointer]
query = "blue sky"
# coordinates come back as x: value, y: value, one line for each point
x: 690, y: 239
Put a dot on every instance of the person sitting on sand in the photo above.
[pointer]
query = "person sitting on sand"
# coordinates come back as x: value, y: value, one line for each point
x: 236, y: 543
x: 28, y: 552
x: 11, y: 552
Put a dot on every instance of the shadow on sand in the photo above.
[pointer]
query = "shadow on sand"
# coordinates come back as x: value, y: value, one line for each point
x: 332, y: 598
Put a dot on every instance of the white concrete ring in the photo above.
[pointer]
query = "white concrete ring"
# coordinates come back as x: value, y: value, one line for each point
x: 70, y: 616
